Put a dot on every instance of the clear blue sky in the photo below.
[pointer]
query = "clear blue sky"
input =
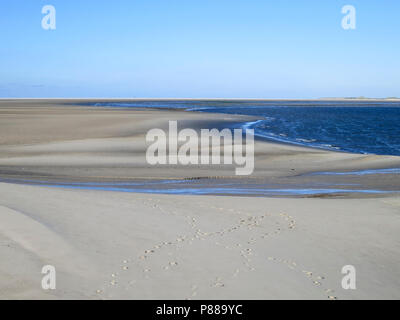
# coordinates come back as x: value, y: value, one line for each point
x: 207, y: 48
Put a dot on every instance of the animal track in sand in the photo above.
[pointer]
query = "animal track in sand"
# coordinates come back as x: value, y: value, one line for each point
x: 248, y: 222
x: 316, y: 280
x: 194, y: 290
x: 245, y: 221
x: 252, y: 222
x: 218, y: 283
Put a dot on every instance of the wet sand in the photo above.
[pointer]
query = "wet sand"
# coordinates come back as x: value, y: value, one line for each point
x: 48, y: 141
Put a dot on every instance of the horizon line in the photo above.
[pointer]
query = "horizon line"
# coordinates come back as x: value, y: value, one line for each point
x: 210, y: 98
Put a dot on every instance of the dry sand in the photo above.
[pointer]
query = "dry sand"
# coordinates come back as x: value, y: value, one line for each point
x: 109, y: 245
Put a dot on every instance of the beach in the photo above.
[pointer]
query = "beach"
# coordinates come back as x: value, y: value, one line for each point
x: 145, y: 245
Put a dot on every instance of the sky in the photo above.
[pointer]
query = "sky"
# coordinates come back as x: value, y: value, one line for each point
x: 199, y: 49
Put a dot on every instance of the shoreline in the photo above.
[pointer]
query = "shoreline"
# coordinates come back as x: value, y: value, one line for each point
x: 59, y: 150
x: 268, y: 136
x: 209, y: 187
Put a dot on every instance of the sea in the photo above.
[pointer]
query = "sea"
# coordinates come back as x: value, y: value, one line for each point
x: 366, y: 127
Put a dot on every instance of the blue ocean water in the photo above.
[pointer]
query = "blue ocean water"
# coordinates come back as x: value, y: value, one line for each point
x: 352, y: 126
